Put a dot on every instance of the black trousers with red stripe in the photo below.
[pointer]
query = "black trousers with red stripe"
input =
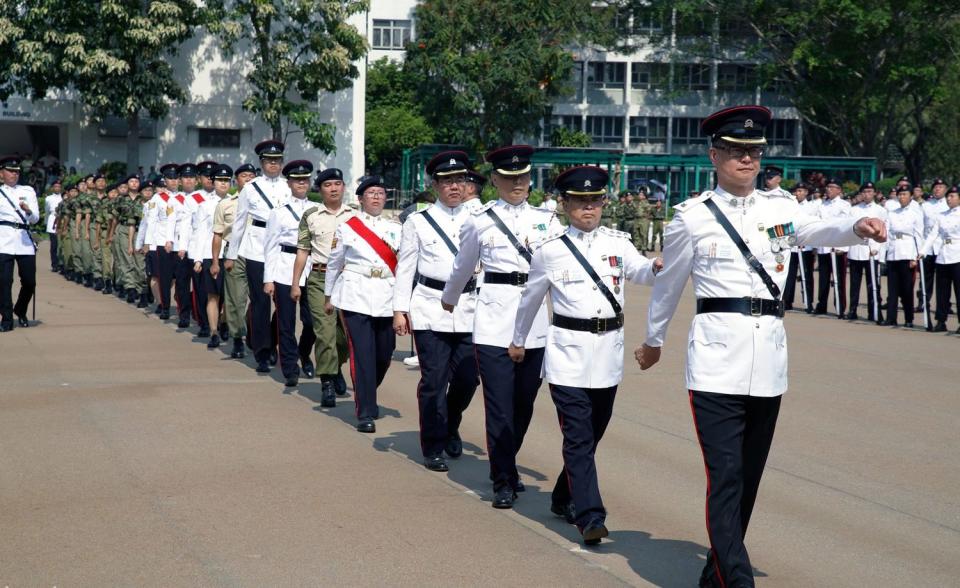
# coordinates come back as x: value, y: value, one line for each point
x: 584, y: 414
x: 182, y: 275
x: 448, y: 380
x: 509, y: 392
x: 371, y: 341
x: 292, y: 351
x: 199, y: 299
x: 735, y: 433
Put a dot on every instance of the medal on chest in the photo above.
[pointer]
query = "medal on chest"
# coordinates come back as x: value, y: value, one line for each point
x: 617, y: 262
x: 781, y: 237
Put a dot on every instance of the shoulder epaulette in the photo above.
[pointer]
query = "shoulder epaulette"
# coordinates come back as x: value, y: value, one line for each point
x: 777, y: 193
x: 691, y: 202
x: 541, y: 242
x: 484, y: 208
x: 309, y: 212
x: 615, y: 233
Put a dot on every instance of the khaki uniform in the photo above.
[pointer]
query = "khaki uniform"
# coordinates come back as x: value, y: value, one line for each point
x: 235, y: 289
x: 104, y: 214
x: 641, y: 236
x: 316, y: 234
x: 657, y: 216
x: 627, y: 219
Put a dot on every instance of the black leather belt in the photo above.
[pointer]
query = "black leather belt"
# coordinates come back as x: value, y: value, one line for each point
x: 512, y: 278
x: 288, y: 249
x: 259, y: 223
x: 15, y: 225
x: 440, y: 284
x: 747, y: 306
x: 590, y: 325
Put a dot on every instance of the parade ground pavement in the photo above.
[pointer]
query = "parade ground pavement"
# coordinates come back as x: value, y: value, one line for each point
x: 130, y: 455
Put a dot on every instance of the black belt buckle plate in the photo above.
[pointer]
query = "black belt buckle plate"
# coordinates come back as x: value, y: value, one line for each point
x: 756, y: 306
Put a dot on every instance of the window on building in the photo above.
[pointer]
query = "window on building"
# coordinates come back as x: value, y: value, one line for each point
x: 782, y: 132
x: 735, y: 77
x: 646, y: 21
x: 650, y: 76
x: 648, y: 130
x: 692, y: 77
x: 605, y: 129
x: 686, y: 131
x: 606, y: 74
x: 219, y: 138
x: 391, y: 34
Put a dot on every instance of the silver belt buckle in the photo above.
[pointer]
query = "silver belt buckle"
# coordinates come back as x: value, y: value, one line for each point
x: 756, y: 306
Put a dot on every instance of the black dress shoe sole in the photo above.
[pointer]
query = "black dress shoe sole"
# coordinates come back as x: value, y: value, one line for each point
x: 593, y: 535
x: 504, y: 502
x: 367, y: 428
x: 328, y: 402
x: 437, y: 466
x: 263, y: 369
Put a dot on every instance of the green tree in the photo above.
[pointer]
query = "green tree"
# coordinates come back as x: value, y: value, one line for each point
x: 863, y: 75
x: 298, y: 49
x: 489, y: 70
x: 115, y: 54
x: 394, y: 119
x: 564, y: 137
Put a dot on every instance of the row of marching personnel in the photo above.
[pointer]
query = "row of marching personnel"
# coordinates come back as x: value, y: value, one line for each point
x: 923, y: 252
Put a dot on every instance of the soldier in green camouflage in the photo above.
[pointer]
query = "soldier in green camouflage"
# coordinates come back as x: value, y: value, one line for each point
x: 642, y: 235
x: 103, y: 217
x: 83, y: 231
x: 627, y: 217
x: 658, y: 213
x: 608, y: 217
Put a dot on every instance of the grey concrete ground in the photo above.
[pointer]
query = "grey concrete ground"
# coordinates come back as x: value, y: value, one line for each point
x: 131, y: 455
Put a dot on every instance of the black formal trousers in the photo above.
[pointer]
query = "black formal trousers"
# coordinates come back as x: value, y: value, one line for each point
x: 859, y: 273
x: 509, y: 392
x: 584, y: 414
x: 7, y: 261
x: 165, y: 271
x: 448, y: 367
x: 54, y: 246
x: 735, y: 433
x: 824, y: 282
x: 948, y: 275
x: 261, y: 340
x: 789, y: 289
x: 292, y: 351
x: 198, y: 300
x: 183, y: 275
x: 371, y: 341
x: 899, y: 289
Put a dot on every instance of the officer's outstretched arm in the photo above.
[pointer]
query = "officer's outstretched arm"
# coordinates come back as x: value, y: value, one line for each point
x: 532, y: 298
x: 670, y: 282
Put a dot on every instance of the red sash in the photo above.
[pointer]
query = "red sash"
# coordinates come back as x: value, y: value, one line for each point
x: 379, y: 245
x: 197, y: 197
x: 164, y: 196
x: 179, y: 198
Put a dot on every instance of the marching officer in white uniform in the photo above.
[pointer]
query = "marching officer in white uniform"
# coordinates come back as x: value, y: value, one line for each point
x: 864, y: 258
x: 160, y: 252
x: 946, y: 232
x: 280, y: 252
x: 498, y: 236
x: 448, y: 368
x: 905, y: 231
x: 585, y: 270
x: 201, y: 253
x: 50, y: 204
x: 359, y: 284
x: 931, y: 209
x: 18, y: 210
x: 731, y: 241
x: 257, y: 198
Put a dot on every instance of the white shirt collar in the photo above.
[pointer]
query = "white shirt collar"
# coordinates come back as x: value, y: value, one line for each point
x: 736, y: 201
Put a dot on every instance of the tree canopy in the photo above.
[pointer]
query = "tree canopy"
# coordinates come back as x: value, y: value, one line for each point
x: 394, y: 119
x: 297, y: 50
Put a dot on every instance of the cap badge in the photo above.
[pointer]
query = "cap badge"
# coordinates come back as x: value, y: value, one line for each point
x: 586, y: 183
x: 515, y: 159
x: 453, y: 161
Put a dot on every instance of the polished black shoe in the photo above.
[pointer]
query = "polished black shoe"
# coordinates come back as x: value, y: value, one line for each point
x: 183, y: 324
x: 436, y: 463
x: 292, y: 381
x: 131, y: 296
x: 940, y: 328
x: 890, y: 323
x: 98, y: 284
x: 263, y: 367
x: 328, y: 396
x: 273, y: 357
x: 519, y: 487
x: 204, y: 332
x: 164, y: 315
x: 504, y: 498
x: 366, y: 427
x: 224, y: 332
x: 341, y: 384
x: 907, y: 325
x: 142, y: 303
x: 308, y: 370
x: 454, y: 446
x: 594, y: 532
x: 4, y: 327
x: 563, y: 510
x: 108, y: 288
x: 22, y: 321
x: 88, y: 281
x: 238, y: 351
x: 214, y: 342
x: 852, y: 316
